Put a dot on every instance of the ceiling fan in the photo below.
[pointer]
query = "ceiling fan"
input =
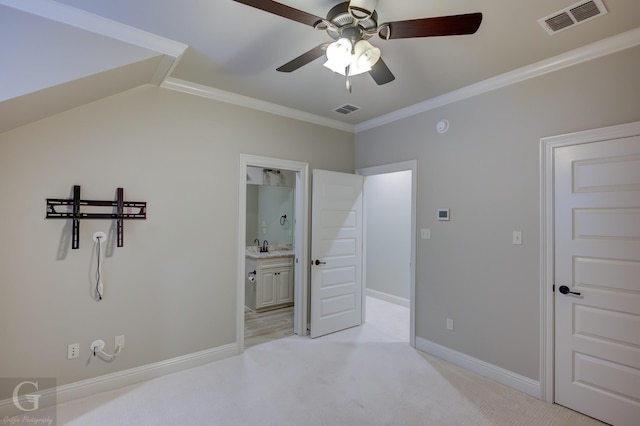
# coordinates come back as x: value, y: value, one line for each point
x: 350, y: 24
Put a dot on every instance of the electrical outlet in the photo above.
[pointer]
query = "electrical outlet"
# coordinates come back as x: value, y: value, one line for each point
x: 73, y: 351
x: 119, y: 341
x: 449, y: 324
x: 425, y: 233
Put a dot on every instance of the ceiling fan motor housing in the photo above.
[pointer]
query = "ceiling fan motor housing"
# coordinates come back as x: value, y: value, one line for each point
x: 345, y: 25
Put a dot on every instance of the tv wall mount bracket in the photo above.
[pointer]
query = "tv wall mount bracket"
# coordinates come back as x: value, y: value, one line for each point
x: 71, y: 208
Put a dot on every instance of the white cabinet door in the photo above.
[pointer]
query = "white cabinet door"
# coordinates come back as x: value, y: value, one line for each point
x: 336, y: 247
x: 266, y: 289
x: 597, y: 257
x: 284, y: 286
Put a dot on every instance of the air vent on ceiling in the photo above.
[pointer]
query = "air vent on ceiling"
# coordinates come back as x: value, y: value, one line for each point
x: 572, y: 15
x: 346, y: 109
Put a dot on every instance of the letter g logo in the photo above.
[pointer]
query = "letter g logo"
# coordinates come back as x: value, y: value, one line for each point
x: 30, y: 398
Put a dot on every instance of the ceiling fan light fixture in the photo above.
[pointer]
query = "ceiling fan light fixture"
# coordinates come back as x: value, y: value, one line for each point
x: 339, y: 55
x: 366, y: 55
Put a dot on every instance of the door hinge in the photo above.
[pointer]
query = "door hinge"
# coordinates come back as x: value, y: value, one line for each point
x: 553, y: 288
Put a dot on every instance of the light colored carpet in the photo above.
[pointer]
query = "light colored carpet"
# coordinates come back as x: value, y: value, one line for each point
x: 366, y: 375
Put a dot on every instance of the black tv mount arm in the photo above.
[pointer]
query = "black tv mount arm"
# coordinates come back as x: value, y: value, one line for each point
x: 135, y: 210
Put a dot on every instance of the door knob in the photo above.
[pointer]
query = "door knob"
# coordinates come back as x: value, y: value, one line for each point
x: 319, y: 262
x: 565, y: 290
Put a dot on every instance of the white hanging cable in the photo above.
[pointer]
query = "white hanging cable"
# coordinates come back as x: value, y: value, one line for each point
x: 99, y: 238
x: 97, y: 348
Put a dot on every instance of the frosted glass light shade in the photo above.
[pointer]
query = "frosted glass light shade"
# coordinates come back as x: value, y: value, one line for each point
x: 362, y: 9
x: 366, y: 55
x: 339, y: 56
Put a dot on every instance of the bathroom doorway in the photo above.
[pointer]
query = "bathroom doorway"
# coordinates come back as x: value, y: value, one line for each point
x: 269, y: 266
x: 272, y: 282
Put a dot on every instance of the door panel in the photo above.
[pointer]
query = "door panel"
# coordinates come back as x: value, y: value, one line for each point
x: 336, y: 284
x: 597, y: 254
x: 285, y: 286
x: 267, y: 289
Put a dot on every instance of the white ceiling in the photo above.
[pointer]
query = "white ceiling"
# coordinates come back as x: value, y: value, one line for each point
x: 235, y: 48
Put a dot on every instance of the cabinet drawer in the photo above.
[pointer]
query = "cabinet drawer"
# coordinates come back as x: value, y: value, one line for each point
x: 276, y: 262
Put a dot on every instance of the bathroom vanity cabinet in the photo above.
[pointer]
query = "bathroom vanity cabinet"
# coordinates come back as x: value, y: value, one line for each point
x: 273, y: 285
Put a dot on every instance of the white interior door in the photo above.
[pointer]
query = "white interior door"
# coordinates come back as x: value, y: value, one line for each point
x: 597, y: 256
x: 336, y: 252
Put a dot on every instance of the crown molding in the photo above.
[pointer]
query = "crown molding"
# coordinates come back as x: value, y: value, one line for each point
x: 78, y: 18
x: 252, y: 103
x: 595, y: 50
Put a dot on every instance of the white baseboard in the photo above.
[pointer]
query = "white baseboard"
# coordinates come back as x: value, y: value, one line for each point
x: 493, y: 372
x: 128, y: 377
x: 388, y: 297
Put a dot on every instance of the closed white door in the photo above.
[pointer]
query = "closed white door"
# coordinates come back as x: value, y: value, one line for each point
x: 597, y: 260
x: 336, y: 252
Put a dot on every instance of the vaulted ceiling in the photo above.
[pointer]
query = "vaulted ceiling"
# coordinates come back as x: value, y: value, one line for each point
x: 61, y: 54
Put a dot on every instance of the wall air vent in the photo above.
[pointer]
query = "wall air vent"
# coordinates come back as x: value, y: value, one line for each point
x: 572, y: 15
x: 346, y: 109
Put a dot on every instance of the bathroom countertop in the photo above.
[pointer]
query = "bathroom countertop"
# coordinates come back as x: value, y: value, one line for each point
x: 254, y: 253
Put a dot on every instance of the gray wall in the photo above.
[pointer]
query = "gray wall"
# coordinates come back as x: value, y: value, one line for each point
x: 171, y: 290
x: 486, y: 170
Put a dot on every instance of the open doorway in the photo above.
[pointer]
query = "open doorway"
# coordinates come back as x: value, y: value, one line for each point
x: 272, y: 242
x: 269, y: 258
x: 389, y: 242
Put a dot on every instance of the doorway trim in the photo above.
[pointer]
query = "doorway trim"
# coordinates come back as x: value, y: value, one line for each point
x: 547, y: 237
x: 301, y: 238
x: 411, y: 165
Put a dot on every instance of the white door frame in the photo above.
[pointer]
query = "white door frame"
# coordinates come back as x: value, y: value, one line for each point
x: 301, y: 238
x: 412, y: 166
x: 547, y: 321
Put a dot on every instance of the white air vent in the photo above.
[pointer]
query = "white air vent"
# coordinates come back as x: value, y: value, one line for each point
x: 346, y: 109
x: 572, y: 15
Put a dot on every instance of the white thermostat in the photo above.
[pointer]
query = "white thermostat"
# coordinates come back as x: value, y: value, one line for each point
x: 443, y: 214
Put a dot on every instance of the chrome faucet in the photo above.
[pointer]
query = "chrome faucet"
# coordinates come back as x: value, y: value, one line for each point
x: 265, y: 247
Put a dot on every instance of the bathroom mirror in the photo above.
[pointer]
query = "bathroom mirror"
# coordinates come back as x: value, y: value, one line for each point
x: 270, y: 209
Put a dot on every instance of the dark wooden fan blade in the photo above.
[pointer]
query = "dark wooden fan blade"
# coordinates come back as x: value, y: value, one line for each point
x: 304, y: 59
x: 381, y: 73
x: 283, y: 10
x: 432, y: 27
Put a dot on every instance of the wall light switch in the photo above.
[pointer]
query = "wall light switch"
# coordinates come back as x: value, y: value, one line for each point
x: 517, y: 237
x: 425, y: 233
x: 450, y: 324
